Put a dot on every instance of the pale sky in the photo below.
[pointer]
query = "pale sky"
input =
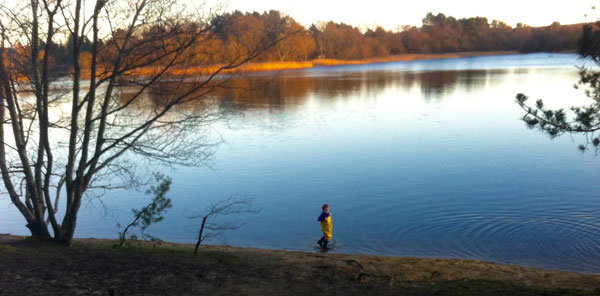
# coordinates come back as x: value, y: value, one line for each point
x: 390, y: 14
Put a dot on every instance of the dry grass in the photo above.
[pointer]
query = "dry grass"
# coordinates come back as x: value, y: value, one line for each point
x: 249, y: 67
x: 93, y: 267
x: 279, y: 66
x: 409, y: 57
x: 274, y: 66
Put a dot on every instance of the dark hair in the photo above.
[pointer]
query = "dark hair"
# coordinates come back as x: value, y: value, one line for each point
x: 324, y: 206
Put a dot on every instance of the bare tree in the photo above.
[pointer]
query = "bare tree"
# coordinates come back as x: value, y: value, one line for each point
x: 229, y: 206
x: 142, y: 92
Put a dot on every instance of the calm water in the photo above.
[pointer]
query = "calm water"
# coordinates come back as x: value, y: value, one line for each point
x: 425, y: 158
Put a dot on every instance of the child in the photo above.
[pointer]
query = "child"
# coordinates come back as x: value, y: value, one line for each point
x: 325, y: 221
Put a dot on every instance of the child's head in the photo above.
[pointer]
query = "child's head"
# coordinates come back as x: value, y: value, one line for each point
x: 325, y: 208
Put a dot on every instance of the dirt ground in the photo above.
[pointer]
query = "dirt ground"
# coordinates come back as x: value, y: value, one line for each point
x: 94, y: 267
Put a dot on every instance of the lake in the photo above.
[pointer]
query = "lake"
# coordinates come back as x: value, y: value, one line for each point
x: 420, y: 158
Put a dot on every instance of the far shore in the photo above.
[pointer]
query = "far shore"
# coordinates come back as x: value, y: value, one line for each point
x: 278, y: 66
x: 275, y: 66
x: 411, y: 57
x: 94, y: 267
x: 256, y: 67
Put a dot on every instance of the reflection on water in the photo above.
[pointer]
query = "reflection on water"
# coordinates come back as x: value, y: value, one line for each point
x: 291, y: 91
x: 424, y: 158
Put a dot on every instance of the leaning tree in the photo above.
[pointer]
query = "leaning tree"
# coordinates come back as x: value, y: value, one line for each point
x: 137, y: 82
x: 578, y: 119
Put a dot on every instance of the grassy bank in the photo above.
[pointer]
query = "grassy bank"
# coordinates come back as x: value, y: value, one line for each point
x: 93, y: 267
x: 279, y: 66
x: 409, y: 57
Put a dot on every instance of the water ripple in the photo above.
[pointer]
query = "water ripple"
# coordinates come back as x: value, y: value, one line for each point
x: 553, y: 235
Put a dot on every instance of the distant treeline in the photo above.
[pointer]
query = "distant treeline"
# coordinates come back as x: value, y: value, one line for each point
x: 439, y: 33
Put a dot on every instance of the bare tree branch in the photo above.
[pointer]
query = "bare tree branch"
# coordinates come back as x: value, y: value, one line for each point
x: 234, y: 204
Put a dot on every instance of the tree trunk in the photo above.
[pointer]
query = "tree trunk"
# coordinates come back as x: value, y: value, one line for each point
x: 200, y: 235
x: 38, y: 230
x: 67, y: 229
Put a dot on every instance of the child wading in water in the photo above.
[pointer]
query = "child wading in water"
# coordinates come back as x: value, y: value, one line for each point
x: 325, y: 221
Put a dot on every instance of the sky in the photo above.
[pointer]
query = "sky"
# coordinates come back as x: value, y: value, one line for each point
x: 391, y: 14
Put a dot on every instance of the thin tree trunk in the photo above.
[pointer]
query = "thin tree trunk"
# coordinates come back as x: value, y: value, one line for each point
x: 69, y: 220
x: 5, y: 92
x: 44, y: 124
x: 200, y: 235
x: 34, y: 185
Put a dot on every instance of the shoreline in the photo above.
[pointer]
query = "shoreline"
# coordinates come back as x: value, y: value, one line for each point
x: 412, y: 57
x: 281, y: 66
x: 94, y: 264
x: 275, y: 66
x: 278, y: 66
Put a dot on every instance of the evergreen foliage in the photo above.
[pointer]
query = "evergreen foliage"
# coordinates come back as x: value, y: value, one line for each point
x: 578, y: 119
